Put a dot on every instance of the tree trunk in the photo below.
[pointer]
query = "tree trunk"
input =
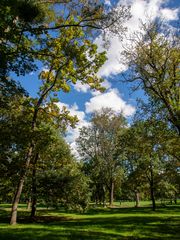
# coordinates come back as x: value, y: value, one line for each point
x: 152, y: 185
x: 137, y: 199
x: 152, y: 191
x: 112, y: 194
x: 96, y: 199
x: 152, y: 197
x: 29, y: 154
x: 16, y: 201
x: 29, y: 204
x: 19, y: 188
x: 34, y: 188
x: 104, y: 197
x: 33, y: 209
x: 178, y: 127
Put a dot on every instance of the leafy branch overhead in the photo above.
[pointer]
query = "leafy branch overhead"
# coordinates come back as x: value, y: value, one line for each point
x: 26, y: 27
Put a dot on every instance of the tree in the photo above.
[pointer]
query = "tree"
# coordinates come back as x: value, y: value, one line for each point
x: 58, y: 179
x: 147, y: 154
x: 134, y: 181
x: 97, y: 146
x: 15, y: 133
x: 70, y: 60
x: 154, y: 64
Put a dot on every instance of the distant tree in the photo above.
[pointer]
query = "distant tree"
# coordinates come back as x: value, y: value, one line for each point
x: 98, y: 148
x: 133, y: 184
x: 144, y: 142
x: 169, y: 183
x: 59, y: 180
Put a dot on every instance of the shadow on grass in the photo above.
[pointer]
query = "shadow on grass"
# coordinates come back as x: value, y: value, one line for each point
x: 140, y: 225
x: 132, y: 210
x: 86, y: 229
x: 43, y: 234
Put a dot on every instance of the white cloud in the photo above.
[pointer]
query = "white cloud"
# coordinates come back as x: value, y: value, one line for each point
x: 112, y: 65
x: 106, y: 84
x: 140, y: 10
x: 81, y: 87
x: 110, y: 99
x: 73, y: 133
x: 107, y: 2
x: 85, y: 87
x: 169, y: 14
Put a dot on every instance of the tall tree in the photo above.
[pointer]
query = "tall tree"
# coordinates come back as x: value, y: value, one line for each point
x: 72, y: 58
x: 153, y: 58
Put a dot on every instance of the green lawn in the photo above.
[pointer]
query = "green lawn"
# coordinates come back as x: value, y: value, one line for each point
x: 117, y: 223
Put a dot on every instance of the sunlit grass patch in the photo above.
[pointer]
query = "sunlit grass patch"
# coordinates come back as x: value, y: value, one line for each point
x: 99, y: 223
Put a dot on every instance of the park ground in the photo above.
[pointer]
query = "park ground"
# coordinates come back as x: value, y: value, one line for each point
x: 121, y: 222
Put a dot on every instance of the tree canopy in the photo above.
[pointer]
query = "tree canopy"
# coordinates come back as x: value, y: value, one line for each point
x: 154, y: 64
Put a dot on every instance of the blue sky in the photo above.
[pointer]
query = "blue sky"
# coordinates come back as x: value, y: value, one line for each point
x: 81, y: 101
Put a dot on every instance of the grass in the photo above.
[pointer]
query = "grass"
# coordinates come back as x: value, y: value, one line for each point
x: 98, y: 223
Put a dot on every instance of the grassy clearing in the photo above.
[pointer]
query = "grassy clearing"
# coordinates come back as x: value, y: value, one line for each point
x: 102, y: 224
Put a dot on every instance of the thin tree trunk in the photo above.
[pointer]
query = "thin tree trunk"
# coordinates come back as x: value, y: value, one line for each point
x: 24, y: 171
x: 104, y: 197
x: 112, y: 194
x: 96, y: 199
x: 33, y: 209
x: 137, y: 199
x: 19, y: 188
x: 153, y: 197
x: 34, y: 188
x: 152, y: 185
x: 178, y: 128
x: 29, y: 204
x: 152, y: 190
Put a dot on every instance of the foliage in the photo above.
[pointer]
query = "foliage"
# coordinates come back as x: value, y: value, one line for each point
x: 15, y: 134
x: 147, y: 157
x: 154, y: 66
x: 59, y: 178
x: 98, y: 148
x: 25, y: 26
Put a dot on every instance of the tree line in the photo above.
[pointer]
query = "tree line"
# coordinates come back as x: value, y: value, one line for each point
x: 128, y: 162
